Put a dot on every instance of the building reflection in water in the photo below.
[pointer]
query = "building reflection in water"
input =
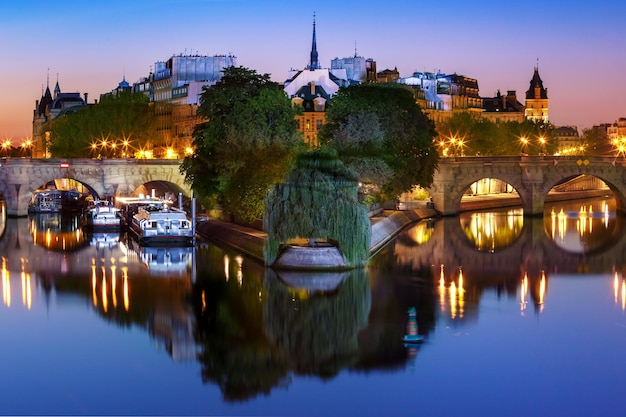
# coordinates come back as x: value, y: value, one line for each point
x: 573, y: 226
x: 276, y: 324
x: 491, y: 230
x: 451, y: 288
x: 619, y: 290
x: 25, y: 282
x: 58, y: 232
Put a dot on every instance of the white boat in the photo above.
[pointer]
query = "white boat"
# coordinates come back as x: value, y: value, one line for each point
x: 158, y: 224
x: 128, y: 206
x: 101, y: 215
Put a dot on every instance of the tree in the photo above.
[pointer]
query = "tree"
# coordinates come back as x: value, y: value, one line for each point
x: 318, y: 200
x: 465, y: 134
x: 597, y: 142
x: 92, y: 130
x: 247, y: 143
x: 380, y: 132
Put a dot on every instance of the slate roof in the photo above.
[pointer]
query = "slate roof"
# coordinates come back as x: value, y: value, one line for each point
x: 536, y: 82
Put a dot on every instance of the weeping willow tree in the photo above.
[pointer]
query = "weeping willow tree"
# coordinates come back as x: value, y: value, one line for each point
x: 318, y: 201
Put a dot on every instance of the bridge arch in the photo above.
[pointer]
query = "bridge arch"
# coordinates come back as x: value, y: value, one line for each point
x: 618, y: 191
x: 532, y: 176
x: 105, y: 177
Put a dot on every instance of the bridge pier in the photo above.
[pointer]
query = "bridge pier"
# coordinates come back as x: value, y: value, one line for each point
x: 531, y: 176
x: 20, y: 177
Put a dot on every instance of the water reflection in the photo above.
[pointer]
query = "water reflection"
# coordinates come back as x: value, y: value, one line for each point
x: 582, y: 227
x: 492, y: 230
x: 56, y: 231
x: 252, y: 330
x: 573, y: 226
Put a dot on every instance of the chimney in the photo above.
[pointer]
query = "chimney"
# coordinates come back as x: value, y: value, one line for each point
x: 86, y: 95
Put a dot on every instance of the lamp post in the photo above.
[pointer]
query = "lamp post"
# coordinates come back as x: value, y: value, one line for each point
x: 524, y: 143
x: 27, y: 148
x: 542, y: 143
x: 6, y: 147
x: 125, y: 144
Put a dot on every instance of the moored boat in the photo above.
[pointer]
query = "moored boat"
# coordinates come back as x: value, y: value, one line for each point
x: 159, y: 224
x: 101, y: 215
x: 129, y: 206
x: 52, y: 200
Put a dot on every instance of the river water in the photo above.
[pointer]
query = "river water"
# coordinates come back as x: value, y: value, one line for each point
x: 519, y: 316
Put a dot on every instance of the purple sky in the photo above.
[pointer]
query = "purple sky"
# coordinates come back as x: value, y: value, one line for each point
x: 90, y: 46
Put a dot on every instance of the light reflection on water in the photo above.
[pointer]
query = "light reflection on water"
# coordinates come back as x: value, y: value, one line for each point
x: 227, y: 335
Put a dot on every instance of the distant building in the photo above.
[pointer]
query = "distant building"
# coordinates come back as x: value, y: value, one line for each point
x: 175, y: 87
x: 388, y: 76
x: 503, y: 108
x: 537, y: 100
x: 617, y: 131
x: 440, y: 95
x: 49, y: 107
x: 312, y: 87
x: 358, y: 69
x: 569, y: 141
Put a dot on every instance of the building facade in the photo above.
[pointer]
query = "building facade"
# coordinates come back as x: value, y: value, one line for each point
x: 311, y: 88
x: 442, y: 95
x: 47, y: 108
x: 175, y: 87
x: 537, y: 100
x: 569, y: 141
x: 503, y: 108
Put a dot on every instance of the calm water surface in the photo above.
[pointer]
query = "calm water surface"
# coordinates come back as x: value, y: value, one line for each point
x: 520, y: 317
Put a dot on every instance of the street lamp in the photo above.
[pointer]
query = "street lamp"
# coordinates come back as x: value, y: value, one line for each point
x: 524, y: 142
x: 6, y: 147
x: 460, y: 146
x: 26, y: 147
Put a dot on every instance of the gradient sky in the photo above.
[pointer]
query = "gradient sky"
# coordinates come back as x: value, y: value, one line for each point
x: 91, y: 45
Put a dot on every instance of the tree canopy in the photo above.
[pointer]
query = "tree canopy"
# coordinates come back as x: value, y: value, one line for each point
x: 380, y: 132
x: 318, y: 200
x: 464, y: 134
x: 126, y: 119
x: 247, y: 143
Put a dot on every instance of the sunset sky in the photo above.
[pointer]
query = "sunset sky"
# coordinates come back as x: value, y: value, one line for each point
x: 90, y: 46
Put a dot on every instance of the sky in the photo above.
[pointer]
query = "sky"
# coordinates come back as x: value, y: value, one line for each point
x: 89, y: 46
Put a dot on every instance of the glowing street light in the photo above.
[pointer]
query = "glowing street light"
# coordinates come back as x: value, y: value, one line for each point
x: 26, y: 147
x: 524, y: 142
x: 6, y: 147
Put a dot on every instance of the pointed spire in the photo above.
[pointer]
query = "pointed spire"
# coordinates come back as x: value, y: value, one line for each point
x: 314, y: 63
x: 57, y: 89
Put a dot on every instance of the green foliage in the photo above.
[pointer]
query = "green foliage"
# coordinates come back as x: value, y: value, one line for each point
x: 248, y: 142
x: 126, y: 116
x: 318, y: 200
x: 317, y: 332
x: 382, y: 122
x: 596, y: 142
x: 481, y: 136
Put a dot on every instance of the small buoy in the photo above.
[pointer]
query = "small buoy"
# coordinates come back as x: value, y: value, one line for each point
x: 411, y: 328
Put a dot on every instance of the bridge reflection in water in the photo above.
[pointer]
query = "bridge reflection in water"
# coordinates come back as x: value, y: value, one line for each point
x: 251, y: 329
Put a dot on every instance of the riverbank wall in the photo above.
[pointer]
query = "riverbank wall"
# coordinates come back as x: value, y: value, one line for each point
x: 386, y: 224
x: 250, y: 241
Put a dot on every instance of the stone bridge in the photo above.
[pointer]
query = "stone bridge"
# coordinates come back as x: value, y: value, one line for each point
x: 20, y: 177
x: 531, y: 176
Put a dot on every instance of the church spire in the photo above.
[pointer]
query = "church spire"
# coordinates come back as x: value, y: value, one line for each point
x: 314, y: 63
